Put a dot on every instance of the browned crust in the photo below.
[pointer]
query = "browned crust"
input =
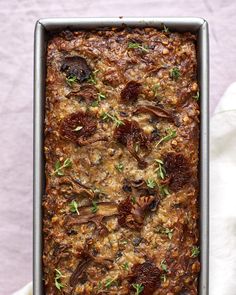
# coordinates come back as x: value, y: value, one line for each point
x: 155, y: 228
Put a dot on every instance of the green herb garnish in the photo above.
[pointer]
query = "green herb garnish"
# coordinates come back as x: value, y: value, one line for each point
x: 195, y: 251
x: 151, y: 183
x: 133, y: 200
x: 163, y: 278
x: 165, y: 231
x: 163, y: 190
x: 164, y: 265
x: 110, y: 282
x: 57, y: 279
x: 59, y: 168
x: 138, y: 287
x: 155, y: 88
x: 119, y: 167
x: 170, y: 135
x: 175, y: 73
x: 197, y: 96
x: 160, y: 170
x: 74, y: 207
x: 125, y: 266
x: 94, y: 208
x: 96, y: 102
x: 165, y: 29
x: 137, y: 45
x: 107, y: 116
x: 71, y: 80
x: 92, y: 79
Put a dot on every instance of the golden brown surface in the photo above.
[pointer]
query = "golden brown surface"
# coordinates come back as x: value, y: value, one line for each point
x: 121, y: 215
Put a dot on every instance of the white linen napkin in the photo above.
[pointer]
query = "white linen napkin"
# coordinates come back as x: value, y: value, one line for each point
x: 222, y: 198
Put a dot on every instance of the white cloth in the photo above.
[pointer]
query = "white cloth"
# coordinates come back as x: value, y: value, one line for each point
x: 27, y: 290
x: 222, y: 198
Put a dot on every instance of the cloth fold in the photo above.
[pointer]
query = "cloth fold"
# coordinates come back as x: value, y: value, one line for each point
x: 222, y: 198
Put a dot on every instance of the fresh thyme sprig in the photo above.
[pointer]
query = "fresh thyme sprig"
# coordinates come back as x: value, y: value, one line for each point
x: 59, y: 168
x: 139, y: 46
x: 107, y: 116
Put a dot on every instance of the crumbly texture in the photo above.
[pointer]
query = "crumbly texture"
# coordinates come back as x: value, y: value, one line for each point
x: 121, y: 147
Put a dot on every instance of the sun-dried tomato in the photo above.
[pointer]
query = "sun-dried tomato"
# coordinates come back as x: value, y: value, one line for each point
x: 131, y: 91
x: 177, y: 169
x: 76, y: 66
x: 148, y: 275
x: 78, y: 127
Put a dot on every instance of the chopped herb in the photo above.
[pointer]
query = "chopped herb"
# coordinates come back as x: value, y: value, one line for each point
x: 138, y: 287
x: 195, y: 251
x: 74, y: 207
x: 155, y: 88
x: 151, y: 183
x: 197, y: 96
x: 139, y: 46
x: 110, y: 282
x: 175, y: 73
x: 59, y: 168
x: 119, y: 167
x: 163, y: 190
x: 165, y: 29
x: 71, y: 80
x: 160, y: 170
x: 165, y: 231
x: 78, y: 128
x: 125, y: 266
x: 107, y: 116
x: 94, y: 208
x: 99, y: 286
x: 101, y: 96
x: 92, y: 79
x: 164, y: 265
x: 163, y: 278
x: 96, y: 102
x: 170, y: 135
x: 58, y: 277
x: 133, y: 200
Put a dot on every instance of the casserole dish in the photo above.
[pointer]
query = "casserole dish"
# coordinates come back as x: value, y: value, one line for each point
x: 43, y: 30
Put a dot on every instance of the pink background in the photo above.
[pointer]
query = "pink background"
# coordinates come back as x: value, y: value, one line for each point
x: 17, y: 20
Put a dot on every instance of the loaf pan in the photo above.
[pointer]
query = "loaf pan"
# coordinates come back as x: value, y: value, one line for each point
x: 43, y: 29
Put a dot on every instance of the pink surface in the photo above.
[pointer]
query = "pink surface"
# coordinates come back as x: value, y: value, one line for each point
x: 17, y: 20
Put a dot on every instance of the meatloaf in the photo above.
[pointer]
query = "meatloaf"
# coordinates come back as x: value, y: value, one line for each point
x: 120, y: 210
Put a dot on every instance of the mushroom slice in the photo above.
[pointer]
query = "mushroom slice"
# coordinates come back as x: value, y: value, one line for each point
x: 76, y: 66
x: 75, y: 187
x: 131, y: 135
x: 178, y: 170
x: 131, y: 91
x: 146, y: 274
x: 86, y: 259
x: 132, y: 214
x: 79, y: 128
x: 154, y: 110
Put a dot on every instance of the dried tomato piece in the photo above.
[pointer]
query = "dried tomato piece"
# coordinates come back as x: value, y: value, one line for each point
x: 131, y: 91
x: 155, y: 111
x: 76, y: 66
x: 148, y: 275
x: 177, y: 169
x: 131, y: 135
x: 78, y: 127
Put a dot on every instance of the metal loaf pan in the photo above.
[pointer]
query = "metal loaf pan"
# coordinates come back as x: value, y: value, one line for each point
x: 42, y: 30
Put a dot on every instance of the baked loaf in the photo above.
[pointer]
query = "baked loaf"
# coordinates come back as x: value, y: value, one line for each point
x: 121, y: 147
